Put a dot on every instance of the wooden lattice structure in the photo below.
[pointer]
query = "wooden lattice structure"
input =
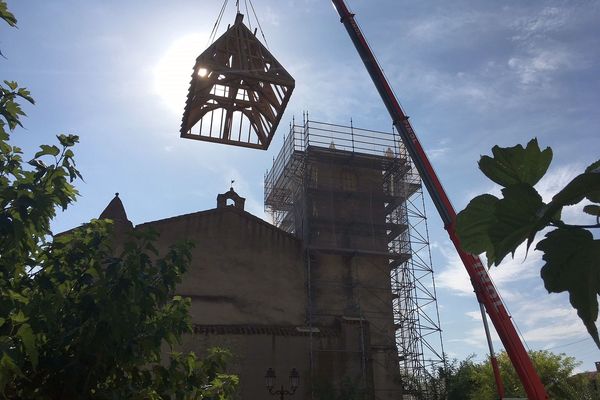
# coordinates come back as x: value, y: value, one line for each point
x: 238, y: 91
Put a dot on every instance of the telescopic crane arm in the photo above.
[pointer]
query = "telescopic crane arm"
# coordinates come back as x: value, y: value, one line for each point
x: 483, y: 286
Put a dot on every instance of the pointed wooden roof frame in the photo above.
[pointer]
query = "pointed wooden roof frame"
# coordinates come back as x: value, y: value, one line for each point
x: 238, y: 76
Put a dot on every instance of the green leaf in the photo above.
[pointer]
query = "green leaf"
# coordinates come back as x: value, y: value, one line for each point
x: 16, y: 296
x: 572, y: 259
x: 7, y: 15
x: 26, y: 95
x: 582, y: 186
x: 11, y: 84
x: 592, y: 209
x: 7, y: 363
x: 13, y: 109
x: 474, y: 223
x: 594, y: 168
x: 594, y: 195
x: 517, y: 216
x: 19, y: 317
x: 514, y: 165
x: 47, y: 150
x: 578, y: 189
x: 68, y: 140
x: 27, y: 336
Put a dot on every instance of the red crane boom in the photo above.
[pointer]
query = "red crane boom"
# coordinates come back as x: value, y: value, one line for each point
x: 483, y: 286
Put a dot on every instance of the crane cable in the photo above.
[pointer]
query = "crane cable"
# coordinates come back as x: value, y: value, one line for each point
x: 248, y: 14
x: 258, y: 23
x: 213, y: 33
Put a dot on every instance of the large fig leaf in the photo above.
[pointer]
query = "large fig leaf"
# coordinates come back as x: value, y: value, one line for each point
x: 594, y: 195
x: 517, y: 216
x: 582, y: 186
x: 514, y: 165
x: 572, y: 259
x: 498, y: 226
x: 592, y: 209
x: 473, y: 225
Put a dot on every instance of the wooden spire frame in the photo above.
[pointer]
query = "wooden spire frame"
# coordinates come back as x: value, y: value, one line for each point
x: 238, y: 92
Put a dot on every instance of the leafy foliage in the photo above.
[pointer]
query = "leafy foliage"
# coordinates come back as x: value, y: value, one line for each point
x: 6, y: 15
x: 572, y: 264
x: 77, y: 318
x: 497, y: 226
x: 515, y: 165
x: 472, y: 380
x: 461, y: 382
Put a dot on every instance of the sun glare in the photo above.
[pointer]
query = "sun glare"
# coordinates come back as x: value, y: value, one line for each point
x: 202, y: 72
x: 173, y: 72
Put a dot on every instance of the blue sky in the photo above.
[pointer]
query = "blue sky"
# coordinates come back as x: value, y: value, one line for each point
x: 470, y: 75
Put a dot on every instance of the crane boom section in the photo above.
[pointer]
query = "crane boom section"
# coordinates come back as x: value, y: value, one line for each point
x: 480, y: 279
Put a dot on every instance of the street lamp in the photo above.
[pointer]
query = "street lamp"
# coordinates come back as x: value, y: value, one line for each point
x: 270, y: 383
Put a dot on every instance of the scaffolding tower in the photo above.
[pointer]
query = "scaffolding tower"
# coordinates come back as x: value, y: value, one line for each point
x: 394, y: 229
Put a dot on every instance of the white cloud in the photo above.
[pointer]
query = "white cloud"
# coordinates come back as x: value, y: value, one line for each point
x: 271, y: 17
x: 518, y: 269
x: 537, y: 64
x: 332, y: 90
x: 476, y: 340
x: 453, y: 276
x: 438, y: 153
x: 435, y: 27
x: 556, y: 178
x: 443, y: 86
x: 475, y: 315
x: 549, y: 19
x: 560, y: 330
x: 539, y: 54
x: 539, y: 325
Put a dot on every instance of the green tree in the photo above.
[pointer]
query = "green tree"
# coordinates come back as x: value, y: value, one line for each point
x: 459, y: 379
x: 554, y: 371
x: 77, y: 318
x: 497, y: 226
x: 472, y: 380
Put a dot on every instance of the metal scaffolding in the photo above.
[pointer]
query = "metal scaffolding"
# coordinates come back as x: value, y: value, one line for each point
x: 392, y: 227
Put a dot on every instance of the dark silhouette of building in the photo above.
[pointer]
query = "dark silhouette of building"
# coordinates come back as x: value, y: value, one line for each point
x: 331, y: 288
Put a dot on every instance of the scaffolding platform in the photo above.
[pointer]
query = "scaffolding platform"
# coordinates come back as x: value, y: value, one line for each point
x: 355, y: 193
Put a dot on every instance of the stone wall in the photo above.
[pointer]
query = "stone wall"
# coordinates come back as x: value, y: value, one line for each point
x: 248, y: 283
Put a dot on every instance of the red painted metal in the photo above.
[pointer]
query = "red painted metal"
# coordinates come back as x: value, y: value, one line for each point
x: 497, y: 377
x: 480, y: 279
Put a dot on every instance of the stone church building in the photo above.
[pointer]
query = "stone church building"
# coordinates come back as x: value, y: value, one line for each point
x: 312, y: 291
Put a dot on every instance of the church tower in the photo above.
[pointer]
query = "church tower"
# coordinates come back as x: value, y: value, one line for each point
x: 344, y: 192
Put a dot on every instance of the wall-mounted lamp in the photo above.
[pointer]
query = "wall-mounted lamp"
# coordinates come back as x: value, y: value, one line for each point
x: 270, y: 378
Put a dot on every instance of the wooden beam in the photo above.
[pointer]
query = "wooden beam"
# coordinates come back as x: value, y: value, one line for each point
x: 238, y: 63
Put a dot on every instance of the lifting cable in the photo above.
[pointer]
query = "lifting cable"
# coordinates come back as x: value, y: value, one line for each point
x: 213, y: 33
x: 258, y: 23
x: 215, y: 28
x: 248, y: 14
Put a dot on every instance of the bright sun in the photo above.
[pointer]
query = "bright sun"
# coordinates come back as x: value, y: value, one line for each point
x: 173, y: 72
